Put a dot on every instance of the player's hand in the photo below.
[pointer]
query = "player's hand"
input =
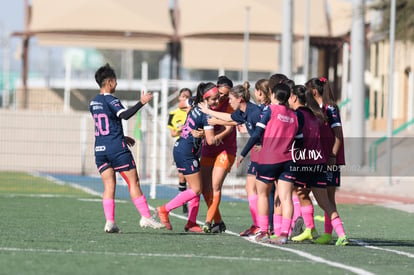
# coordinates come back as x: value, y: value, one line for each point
x: 130, y: 141
x: 241, y: 128
x: 197, y: 133
x: 239, y: 161
x: 145, y: 97
x: 257, y: 148
x: 203, y: 107
x: 212, y: 121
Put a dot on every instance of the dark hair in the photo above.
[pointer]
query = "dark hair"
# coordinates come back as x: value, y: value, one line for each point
x: 289, y: 82
x: 276, y: 79
x: 241, y: 91
x: 300, y: 92
x: 322, y: 86
x: 224, y: 81
x: 183, y: 90
x: 202, y: 88
x: 303, y: 96
x: 282, y: 93
x: 263, y: 86
x: 104, y: 73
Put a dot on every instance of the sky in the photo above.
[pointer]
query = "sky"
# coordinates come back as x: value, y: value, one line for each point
x: 42, y: 60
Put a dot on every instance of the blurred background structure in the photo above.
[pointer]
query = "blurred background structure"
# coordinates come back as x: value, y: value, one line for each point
x: 51, y: 49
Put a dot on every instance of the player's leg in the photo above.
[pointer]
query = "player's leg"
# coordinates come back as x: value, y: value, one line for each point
x: 194, y: 182
x: 139, y: 199
x: 182, y: 186
x: 108, y: 200
x: 252, y: 199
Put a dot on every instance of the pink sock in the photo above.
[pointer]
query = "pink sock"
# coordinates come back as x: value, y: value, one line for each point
x: 142, y: 206
x: 263, y: 222
x: 253, y: 208
x: 297, y: 212
x: 307, y: 214
x: 277, y: 224
x: 180, y: 199
x: 328, y: 224
x: 193, y: 209
x: 285, y: 226
x: 109, y: 209
x: 339, y: 228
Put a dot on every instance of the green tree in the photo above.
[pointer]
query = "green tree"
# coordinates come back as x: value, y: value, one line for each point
x: 404, y: 19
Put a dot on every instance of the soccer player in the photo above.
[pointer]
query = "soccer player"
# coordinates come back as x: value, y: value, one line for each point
x: 320, y: 96
x: 310, y: 162
x: 217, y: 159
x: 186, y: 157
x: 279, y: 127
x: 111, y: 149
x: 176, y: 121
x: 249, y: 114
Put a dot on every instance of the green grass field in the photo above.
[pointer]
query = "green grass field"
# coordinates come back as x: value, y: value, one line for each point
x: 54, y: 229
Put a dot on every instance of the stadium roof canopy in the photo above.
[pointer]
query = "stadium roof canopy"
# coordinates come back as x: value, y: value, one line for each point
x: 211, y: 31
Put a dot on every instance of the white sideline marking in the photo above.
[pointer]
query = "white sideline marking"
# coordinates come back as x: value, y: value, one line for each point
x: 367, y: 245
x: 306, y: 255
x: 135, y: 254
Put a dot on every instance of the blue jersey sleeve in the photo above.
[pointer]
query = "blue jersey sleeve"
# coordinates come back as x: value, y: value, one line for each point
x: 114, y: 105
x: 237, y: 116
x: 332, y: 113
x: 256, y: 136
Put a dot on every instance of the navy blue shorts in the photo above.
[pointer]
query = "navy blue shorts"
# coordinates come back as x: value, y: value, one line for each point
x: 312, y: 175
x: 187, y: 162
x: 333, y: 176
x: 252, y: 169
x: 268, y: 173
x: 122, y: 161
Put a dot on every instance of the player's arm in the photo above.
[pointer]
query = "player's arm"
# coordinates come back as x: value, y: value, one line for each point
x: 336, y: 126
x: 216, y: 121
x: 128, y: 113
x: 220, y: 115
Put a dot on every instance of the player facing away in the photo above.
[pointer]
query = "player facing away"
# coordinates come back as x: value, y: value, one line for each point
x: 314, y: 178
x: 319, y: 95
x: 279, y: 127
x: 111, y: 149
x: 176, y: 121
x: 186, y: 156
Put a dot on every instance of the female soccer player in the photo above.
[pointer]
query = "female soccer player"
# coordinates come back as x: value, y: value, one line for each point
x: 320, y: 96
x: 279, y: 127
x: 111, y: 150
x: 186, y: 157
x: 176, y: 121
x: 217, y: 159
x: 249, y: 114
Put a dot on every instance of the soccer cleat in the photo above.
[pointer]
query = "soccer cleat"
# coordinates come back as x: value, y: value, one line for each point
x: 185, y: 209
x: 207, y: 227
x: 297, y: 228
x: 150, y: 222
x: 308, y: 234
x: 111, y: 227
x: 193, y: 227
x: 262, y: 237
x: 250, y: 231
x: 342, y: 241
x: 218, y: 227
x: 164, y: 217
x: 279, y: 240
x: 324, y: 239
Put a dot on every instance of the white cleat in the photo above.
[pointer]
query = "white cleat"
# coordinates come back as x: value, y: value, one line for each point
x: 111, y: 227
x: 150, y: 222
